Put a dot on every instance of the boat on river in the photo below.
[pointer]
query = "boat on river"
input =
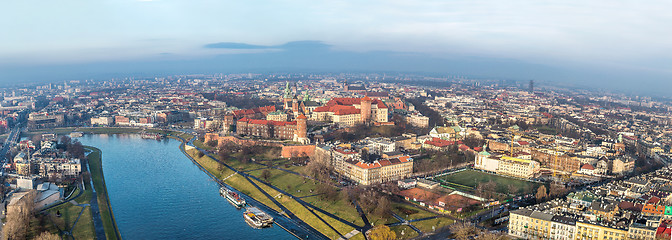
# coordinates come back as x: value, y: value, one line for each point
x: 257, y: 218
x: 148, y: 135
x: 233, y: 197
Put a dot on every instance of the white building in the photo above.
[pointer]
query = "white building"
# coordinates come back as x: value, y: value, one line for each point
x: 106, y: 121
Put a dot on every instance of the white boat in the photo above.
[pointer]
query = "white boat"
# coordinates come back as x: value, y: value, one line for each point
x: 232, y: 196
x: 257, y: 218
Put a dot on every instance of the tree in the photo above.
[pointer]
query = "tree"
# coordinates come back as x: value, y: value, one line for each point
x: 513, y: 190
x: 200, y: 154
x: 382, y: 232
x: 76, y: 149
x: 472, y: 140
x: 212, y: 143
x: 463, y: 230
x: 491, y: 236
x: 318, y: 169
x: 223, y: 155
x: 383, y: 207
x: 266, y: 174
x: 541, y: 193
x: 65, y: 140
x: 486, y: 189
x: 19, y: 216
x: 327, y: 192
x: 557, y: 189
x: 47, y: 236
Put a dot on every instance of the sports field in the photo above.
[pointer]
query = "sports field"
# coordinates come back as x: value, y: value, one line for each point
x: 469, y: 179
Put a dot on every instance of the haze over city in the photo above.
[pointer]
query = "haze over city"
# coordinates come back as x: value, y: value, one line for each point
x: 621, y: 45
x: 339, y: 120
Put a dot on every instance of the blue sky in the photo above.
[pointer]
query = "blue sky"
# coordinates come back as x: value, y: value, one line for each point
x: 599, y: 34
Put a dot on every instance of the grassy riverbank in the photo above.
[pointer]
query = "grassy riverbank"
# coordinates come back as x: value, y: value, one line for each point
x: 69, y: 213
x: 242, y: 184
x: 106, y: 130
x: 96, y: 167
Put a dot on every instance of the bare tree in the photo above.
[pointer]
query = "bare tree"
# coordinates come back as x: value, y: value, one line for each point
x: 383, y: 207
x: 47, y: 236
x: 212, y: 143
x: 541, y: 193
x: 513, y: 190
x: 486, y: 189
x: 19, y: 216
x: 557, y: 189
x: 266, y: 174
x: 463, y: 230
x: 491, y: 236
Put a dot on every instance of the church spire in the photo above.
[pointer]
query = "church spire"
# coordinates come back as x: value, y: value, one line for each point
x: 306, y: 97
x: 288, y: 91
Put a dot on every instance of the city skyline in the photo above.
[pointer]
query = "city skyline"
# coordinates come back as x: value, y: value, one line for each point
x: 592, y: 44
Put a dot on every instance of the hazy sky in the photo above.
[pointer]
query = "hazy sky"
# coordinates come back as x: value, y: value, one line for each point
x: 607, y: 34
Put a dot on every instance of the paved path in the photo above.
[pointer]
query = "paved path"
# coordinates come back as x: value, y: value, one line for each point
x: 367, y: 224
x: 404, y: 222
x: 349, y: 235
x: 302, y: 202
x: 296, y: 227
x: 95, y: 211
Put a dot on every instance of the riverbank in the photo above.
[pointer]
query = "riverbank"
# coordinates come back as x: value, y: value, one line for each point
x: 107, y: 216
x: 108, y: 130
x: 259, y: 192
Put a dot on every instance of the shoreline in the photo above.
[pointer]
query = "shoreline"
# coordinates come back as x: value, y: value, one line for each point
x: 184, y: 151
x: 102, y: 193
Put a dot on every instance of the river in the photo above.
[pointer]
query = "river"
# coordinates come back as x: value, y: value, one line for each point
x: 158, y: 193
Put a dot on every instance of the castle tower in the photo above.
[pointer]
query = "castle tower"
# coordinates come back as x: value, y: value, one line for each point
x: 300, y: 130
x: 295, y: 106
x: 365, y: 109
x: 288, y: 96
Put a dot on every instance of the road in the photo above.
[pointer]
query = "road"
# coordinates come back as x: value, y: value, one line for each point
x: 12, y: 139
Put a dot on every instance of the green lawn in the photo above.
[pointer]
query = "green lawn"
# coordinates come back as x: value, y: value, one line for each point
x: 471, y: 179
x: 408, y: 232
x: 96, y: 166
x: 109, y: 130
x: 403, y: 210
x: 69, y: 212
x: 340, y: 208
x: 281, y: 180
x: 438, y: 223
x: 292, y: 183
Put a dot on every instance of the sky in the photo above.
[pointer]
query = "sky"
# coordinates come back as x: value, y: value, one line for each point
x: 592, y: 42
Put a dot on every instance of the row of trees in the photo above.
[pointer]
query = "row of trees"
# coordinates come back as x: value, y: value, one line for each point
x: 466, y: 230
x: 556, y: 190
x: 18, y: 219
x: 436, y: 160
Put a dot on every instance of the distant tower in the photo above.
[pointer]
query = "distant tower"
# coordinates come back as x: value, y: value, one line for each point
x: 531, y: 86
x: 306, y: 97
x: 365, y: 109
x: 295, y: 106
x: 288, y: 96
x: 300, y: 131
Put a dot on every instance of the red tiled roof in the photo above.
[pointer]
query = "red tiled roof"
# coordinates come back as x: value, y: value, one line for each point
x: 266, y: 122
x: 439, y: 142
x: 588, y: 167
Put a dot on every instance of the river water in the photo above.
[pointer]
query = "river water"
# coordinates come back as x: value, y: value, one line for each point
x: 158, y: 193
